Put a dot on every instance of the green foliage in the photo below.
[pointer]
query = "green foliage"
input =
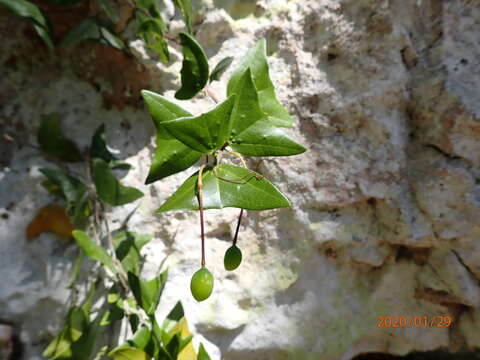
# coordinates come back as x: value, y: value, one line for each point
x: 91, y: 29
x: 171, y: 155
x: 109, y: 188
x: 251, y: 127
x: 194, y: 68
x: 185, y: 7
x: 205, y: 133
x: 202, y: 353
x: 93, y: 250
x: 32, y: 13
x: 73, y: 191
x: 227, y: 186
x: 53, y: 142
x: 256, y: 60
x: 147, y: 293
x: 220, y: 68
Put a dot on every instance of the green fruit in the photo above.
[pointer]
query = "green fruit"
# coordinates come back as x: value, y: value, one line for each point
x: 233, y: 258
x: 201, y: 285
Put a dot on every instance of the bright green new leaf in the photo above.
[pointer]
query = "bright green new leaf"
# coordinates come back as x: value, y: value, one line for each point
x: 109, y: 188
x: 227, y: 186
x: 51, y: 140
x: 256, y: 60
x: 194, y: 71
x: 205, y: 133
x: 147, y: 293
x: 31, y: 12
x: 93, y: 250
x: 171, y: 156
x: 202, y: 353
x: 185, y: 7
x: 72, y: 190
x: 221, y: 67
x: 128, y: 353
x: 252, y: 131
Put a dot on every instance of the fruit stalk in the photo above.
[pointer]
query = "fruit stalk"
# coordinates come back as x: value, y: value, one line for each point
x: 238, y: 227
x: 200, y: 206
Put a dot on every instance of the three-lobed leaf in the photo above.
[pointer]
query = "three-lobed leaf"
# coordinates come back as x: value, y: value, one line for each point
x: 171, y: 156
x: 227, y: 186
x: 207, y: 132
x: 256, y: 60
x: 109, y: 188
x: 194, y: 72
x: 252, y: 132
x: 52, y: 140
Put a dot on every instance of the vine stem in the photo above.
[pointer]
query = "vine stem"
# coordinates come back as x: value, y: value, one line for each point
x: 200, y: 206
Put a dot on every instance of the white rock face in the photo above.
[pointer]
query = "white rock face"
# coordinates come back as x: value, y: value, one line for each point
x: 386, y: 201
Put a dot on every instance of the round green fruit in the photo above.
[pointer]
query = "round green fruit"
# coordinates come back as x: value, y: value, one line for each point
x: 233, y: 258
x: 201, y: 285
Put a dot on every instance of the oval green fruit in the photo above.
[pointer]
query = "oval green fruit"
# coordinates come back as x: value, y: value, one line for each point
x: 233, y: 258
x: 201, y: 285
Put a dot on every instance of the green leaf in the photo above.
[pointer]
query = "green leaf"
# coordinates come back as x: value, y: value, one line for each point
x: 128, y: 353
x: 151, y: 6
x: 76, y: 325
x: 141, y: 338
x: 115, y: 309
x: 32, y: 13
x: 253, y: 133
x: 227, y: 186
x: 127, y: 248
x: 88, y: 29
x: 256, y: 60
x: 110, y: 38
x: 93, y: 250
x: 221, y: 67
x: 53, y: 142
x: 147, y: 293
x: 98, y: 147
x: 202, y: 353
x: 185, y: 7
x: 71, y: 189
x: 109, y: 188
x: 194, y: 71
x: 151, y: 31
x: 171, y: 156
x: 107, y: 8
x: 205, y: 133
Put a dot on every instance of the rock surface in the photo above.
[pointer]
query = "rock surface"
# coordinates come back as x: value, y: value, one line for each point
x: 386, y: 202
